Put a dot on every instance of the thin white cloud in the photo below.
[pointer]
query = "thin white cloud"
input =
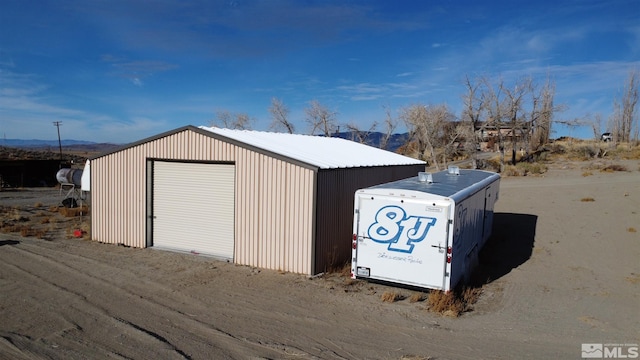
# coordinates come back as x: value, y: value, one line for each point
x: 362, y: 88
x: 28, y: 108
x: 136, y: 71
x: 365, y: 97
x: 404, y: 74
x: 241, y: 29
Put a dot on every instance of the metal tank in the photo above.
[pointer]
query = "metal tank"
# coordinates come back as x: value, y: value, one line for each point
x: 69, y: 176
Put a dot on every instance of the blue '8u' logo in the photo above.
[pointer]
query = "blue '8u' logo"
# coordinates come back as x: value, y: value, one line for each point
x: 392, y: 224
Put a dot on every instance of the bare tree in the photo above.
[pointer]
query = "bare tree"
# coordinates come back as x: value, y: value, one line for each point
x: 226, y: 119
x: 514, y: 102
x: 596, y: 125
x: 615, y: 121
x: 390, y: 125
x: 426, y: 125
x: 492, y: 97
x: 321, y: 118
x: 541, y: 114
x: 361, y: 136
x: 625, y: 112
x: 454, y: 133
x: 280, y: 116
x: 472, y: 111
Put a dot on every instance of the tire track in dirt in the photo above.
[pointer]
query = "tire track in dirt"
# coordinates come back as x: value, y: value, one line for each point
x: 111, y: 307
x: 74, y: 323
x: 276, y: 319
x: 265, y: 333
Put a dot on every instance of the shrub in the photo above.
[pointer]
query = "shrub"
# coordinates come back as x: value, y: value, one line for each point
x: 27, y: 231
x: 510, y: 170
x: 587, y: 199
x: 524, y: 169
x: 453, y: 303
x: 445, y: 302
x: 533, y: 168
x: 471, y: 295
x: 72, y: 212
x: 613, y: 168
x: 391, y: 296
x: 417, y: 297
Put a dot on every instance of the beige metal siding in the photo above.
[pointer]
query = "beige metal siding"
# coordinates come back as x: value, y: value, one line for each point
x: 334, y: 204
x: 273, y: 230
x: 274, y: 199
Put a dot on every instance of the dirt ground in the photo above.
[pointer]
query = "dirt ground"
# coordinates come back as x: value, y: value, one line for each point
x: 562, y: 265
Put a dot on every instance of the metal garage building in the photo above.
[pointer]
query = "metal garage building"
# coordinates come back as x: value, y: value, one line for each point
x: 270, y: 200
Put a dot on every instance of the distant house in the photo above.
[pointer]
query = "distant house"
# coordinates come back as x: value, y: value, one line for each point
x: 490, y: 134
x: 270, y: 200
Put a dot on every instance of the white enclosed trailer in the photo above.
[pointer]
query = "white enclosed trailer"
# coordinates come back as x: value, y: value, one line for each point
x: 425, y: 231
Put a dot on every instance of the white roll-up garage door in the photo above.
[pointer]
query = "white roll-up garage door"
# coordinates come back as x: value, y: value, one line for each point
x: 193, y: 207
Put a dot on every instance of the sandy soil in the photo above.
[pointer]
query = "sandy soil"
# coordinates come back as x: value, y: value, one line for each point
x: 563, y: 271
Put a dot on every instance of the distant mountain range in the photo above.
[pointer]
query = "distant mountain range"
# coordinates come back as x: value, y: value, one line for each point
x: 41, y: 143
x: 375, y: 138
x: 371, y: 139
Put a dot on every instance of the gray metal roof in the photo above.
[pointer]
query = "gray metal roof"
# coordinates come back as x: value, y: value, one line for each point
x: 445, y: 184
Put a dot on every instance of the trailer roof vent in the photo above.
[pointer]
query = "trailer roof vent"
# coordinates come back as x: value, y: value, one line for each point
x: 425, y: 177
x: 453, y: 170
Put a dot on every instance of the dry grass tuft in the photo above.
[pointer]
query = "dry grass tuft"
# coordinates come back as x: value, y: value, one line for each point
x: 471, y: 295
x: 453, y: 303
x: 349, y: 282
x: 614, y: 168
x: 511, y: 170
x: 535, y: 168
x: 575, y: 149
x: 14, y: 214
x: 417, y: 297
x: 37, y: 205
x: 340, y: 270
x: 27, y: 231
x: 85, y: 227
x: 391, y: 296
x: 632, y: 230
x: 9, y: 228
x: 524, y: 169
x: 633, y: 278
x: 73, y: 212
x: 587, y: 199
x: 445, y: 302
x: 587, y: 173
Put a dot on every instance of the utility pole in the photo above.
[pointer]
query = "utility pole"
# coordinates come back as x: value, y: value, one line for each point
x: 57, y: 124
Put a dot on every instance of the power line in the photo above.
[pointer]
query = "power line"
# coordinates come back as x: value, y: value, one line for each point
x: 57, y: 124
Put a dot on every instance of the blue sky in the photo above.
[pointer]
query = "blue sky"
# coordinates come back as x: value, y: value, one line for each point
x: 122, y: 70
